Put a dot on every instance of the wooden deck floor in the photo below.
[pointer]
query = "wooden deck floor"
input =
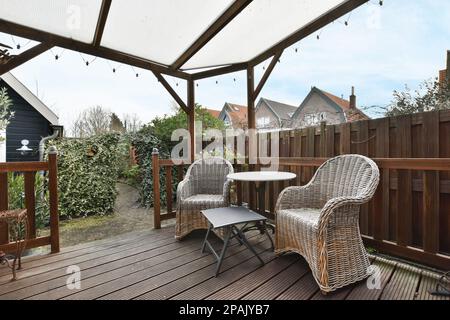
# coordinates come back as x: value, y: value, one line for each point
x: 153, y: 265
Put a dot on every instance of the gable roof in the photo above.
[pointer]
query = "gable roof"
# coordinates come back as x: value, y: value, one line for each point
x: 282, y: 110
x: 341, y: 105
x: 34, y: 101
x: 237, y: 113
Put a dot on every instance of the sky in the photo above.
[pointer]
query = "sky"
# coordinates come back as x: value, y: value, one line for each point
x: 381, y: 50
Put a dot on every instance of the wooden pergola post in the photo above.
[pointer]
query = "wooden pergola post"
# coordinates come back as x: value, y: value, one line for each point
x: 251, y: 123
x: 191, y: 115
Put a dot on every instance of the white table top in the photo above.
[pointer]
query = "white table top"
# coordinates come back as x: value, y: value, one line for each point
x: 258, y: 176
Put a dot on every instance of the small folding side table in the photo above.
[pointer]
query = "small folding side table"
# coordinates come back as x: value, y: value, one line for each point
x: 229, y: 218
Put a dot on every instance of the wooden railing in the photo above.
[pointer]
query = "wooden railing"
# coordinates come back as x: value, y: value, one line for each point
x: 376, y: 217
x: 167, y: 165
x: 29, y: 170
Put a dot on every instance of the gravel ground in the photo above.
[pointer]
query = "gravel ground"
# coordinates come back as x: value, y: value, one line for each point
x: 128, y: 216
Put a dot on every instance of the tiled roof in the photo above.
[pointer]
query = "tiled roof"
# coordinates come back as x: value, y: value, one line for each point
x: 214, y: 113
x: 351, y: 114
x: 238, y: 113
x: 283, y: 110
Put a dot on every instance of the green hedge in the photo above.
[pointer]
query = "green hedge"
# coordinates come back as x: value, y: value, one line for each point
x: 87, y: 174
x: 144, y: 142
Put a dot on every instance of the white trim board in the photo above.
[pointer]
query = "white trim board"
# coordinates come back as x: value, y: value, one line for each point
x: 34, y: 101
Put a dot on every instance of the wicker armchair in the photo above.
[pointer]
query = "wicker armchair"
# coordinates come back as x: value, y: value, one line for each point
x: 320, y: 220
x: 205, y: 187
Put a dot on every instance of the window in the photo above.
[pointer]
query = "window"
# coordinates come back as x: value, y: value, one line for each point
x: 313, y: 119
x: 227, y: 121
x: 263, y: 122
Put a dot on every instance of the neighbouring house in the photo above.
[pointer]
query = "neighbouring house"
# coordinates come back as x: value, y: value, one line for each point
x: 234, y: 115
x: 214, y: 113
x: 269, y: 114
x: 321, y: 106
x: 273, y: 115
x: 33, y: 123
x: 444, y: 75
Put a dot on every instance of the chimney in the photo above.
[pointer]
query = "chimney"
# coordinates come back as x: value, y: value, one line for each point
x: 353, y: 99
x: 448, y: 67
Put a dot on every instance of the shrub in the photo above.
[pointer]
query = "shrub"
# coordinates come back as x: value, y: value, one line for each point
x: 157, y: 134
x: 16, y: 197
x: 87, y: 174
x: 144, y: 142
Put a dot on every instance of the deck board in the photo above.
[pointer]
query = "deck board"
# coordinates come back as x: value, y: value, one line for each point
x: 403, y: 284
x: 361, y: 290
x: 153, y: 265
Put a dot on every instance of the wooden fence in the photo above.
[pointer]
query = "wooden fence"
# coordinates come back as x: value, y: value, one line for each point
x: 29, y: 170
x: 410, y: 213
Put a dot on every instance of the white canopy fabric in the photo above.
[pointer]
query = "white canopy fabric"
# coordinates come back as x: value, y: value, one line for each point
x: 162, y: 30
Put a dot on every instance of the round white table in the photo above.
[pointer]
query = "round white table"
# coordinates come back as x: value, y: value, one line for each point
x: 261, y: 178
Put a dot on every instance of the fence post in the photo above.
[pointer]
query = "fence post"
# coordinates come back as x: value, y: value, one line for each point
x: 4, y: 232
x: 53, y: 193
x: 156, y: 190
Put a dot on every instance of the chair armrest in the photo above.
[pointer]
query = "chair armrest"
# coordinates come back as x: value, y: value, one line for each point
x: 296, y: 197
x: 340, y: 205
x: 184, y: 190
x: 227, y: 191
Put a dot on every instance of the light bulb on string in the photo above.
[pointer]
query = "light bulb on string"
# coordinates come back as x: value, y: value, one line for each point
x: 381, y: 2
x: 135, y: 72
x: 217, y: 82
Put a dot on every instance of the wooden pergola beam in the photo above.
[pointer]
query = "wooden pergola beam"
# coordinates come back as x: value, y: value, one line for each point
x: 310, y: 28
x: 219, y: 71
x: 25, y: 56
x: 266, y: 74
x: 172, y: 92
x: 70, y: 44
x: 103, y: 16
x: 214, y: 29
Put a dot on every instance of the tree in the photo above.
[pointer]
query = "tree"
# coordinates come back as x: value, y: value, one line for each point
x: 162, y: 127
x: 93, y: 121
x: 5, y: 110
x: 116, y: 124
x: 131, y: 122
x: 431, y: 95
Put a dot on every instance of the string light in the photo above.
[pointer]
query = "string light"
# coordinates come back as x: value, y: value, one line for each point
x: 381, y: 2
x: 57, y: 55
x: 137, y: 74
x: 87, y: 62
